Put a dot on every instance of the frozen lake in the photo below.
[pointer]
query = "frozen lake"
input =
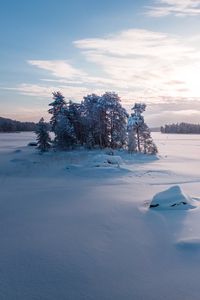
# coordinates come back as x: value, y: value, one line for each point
x: 11, y: 141
x: 71, y: 229
x: 167, y: 143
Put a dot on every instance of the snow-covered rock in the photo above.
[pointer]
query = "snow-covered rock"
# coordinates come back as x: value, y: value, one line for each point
x: 172, y: 198
x: 103, y: 160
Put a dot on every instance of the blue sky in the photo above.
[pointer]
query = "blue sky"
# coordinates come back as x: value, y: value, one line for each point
x: 144, y: 50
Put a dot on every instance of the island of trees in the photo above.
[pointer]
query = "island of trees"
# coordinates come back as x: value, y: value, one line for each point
x: 181, y: 128
x: 96, y: 122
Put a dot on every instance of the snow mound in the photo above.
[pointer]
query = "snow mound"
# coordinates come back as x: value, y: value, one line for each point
x: 189, y: 243
x: 103, y: 160
x: 172, y: 198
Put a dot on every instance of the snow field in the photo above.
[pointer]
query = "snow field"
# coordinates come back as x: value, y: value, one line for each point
x: 71, y: 230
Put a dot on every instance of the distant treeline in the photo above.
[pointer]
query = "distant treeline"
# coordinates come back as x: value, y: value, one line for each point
x: 8, y: 125
x: 181, y: 128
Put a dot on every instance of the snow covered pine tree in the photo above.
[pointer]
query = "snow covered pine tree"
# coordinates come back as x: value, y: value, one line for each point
x: 139, y: 135
x: 61, y: 124
x: 57, y: 107
x: 114, y: 120
x: 105, y: 121
x: 91, y: 120
x: 43, y: 138
x: 99, y: 121
x: 64, y: 133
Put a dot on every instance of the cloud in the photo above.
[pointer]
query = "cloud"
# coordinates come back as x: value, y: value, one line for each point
x: 135, y: 63
x: 179, y: 8
x: 68, y: 74
x: 140, y: 65
x: 70, y: 92
x: 134, y: 42
x: 58, y: 68
x: 143, y: 62
x: 167, y: 117
x: 31, y: 90
x: 173, y: 110
x: 188, y: 112
x: 84, y: 80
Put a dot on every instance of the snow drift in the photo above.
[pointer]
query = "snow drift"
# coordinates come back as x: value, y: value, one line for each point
x: 172, y: 198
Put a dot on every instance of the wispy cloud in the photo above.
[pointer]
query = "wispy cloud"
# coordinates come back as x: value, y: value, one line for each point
x: 58, y: 68
x: 173, y: 110
x: 178, y: 8
x: 38, y: 90
x: 142, y: 62
x: 68, y: 74
x: 31, y: 90
x: 135, y: 63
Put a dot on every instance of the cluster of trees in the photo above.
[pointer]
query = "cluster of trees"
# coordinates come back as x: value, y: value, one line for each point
x: 8, y: 125
x: 96, y: 122
x: 181, y: 128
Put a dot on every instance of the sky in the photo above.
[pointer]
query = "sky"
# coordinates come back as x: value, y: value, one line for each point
x: 146, y: 51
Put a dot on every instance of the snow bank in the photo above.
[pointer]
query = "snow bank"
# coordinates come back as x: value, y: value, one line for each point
x: 104, y: 160
x: 172, y: 198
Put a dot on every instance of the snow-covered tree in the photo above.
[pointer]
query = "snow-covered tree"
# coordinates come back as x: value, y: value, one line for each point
x: 90, y: 143
x: 132, y: 143
x: 64, y: 133
x: 62, y: 122
x: 139, y: 134
x: 105, y: 120
x: 74, y: 112
x: 99, y: 121
x: 135, y: 124
x: 43, y: 138
x: 57, y: 107
x: 91, y: 120
x: 149, y: 147
x: 113, y: 120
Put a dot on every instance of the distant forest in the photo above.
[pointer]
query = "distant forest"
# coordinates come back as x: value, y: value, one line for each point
x: 181, y: 128
x: 8, y: 125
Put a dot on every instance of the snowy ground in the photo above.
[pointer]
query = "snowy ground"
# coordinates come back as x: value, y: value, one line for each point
x: 75, y: 227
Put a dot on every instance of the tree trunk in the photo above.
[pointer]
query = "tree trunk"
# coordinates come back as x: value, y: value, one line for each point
x: 138, y: 140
